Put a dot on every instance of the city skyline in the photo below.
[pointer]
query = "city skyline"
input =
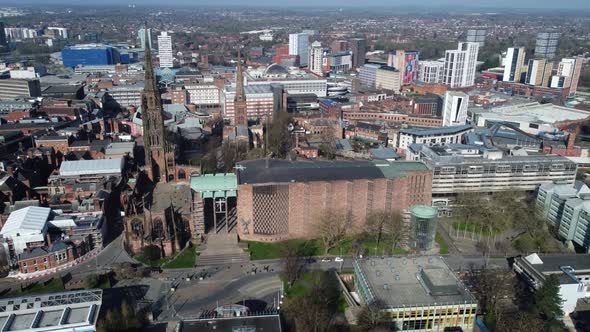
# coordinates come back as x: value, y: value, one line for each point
x: 433, y: 4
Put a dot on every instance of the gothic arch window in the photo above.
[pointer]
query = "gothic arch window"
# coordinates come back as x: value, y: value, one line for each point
x: 170, y: 177
x: 158, y: 229
x: 137, y: 227
x: 181, y: 174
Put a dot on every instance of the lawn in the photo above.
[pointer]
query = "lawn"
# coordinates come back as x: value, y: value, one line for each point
x: 184, y: 259
x: 264, y: 250
x: 444, y: 247
x: 51, y: 286
x: 300, y: 287
x: 474, y: 228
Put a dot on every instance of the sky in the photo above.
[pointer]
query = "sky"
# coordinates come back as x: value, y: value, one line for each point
x: 532, y: 4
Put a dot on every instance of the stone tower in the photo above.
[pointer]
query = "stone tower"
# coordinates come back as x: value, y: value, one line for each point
x: 159, y: 156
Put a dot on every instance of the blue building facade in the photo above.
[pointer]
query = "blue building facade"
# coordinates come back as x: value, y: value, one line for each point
x: 90, y: 55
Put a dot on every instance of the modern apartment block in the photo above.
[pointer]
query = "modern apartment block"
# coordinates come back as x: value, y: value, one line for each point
x: 388, y: 78
x: 455, y: 108
x: 298, y: 45
x: 477, y: 35
x: 358, y: 46
x: 165, y: 50
x: 316, y: 52
x: 14, y: 87
x: 546, y: 45
x: 460, y: 65
x: 538, y: 72
x: 570, y: 69
x: 368, y: 74
x: 407, y: 63
x: 567, y: 208
x: 431, y: 71
x: 514, y: 64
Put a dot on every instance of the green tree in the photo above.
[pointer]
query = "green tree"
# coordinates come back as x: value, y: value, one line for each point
x: 547, y: 301
x: 151, y: 253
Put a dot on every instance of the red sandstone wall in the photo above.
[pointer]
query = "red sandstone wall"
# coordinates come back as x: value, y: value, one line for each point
x: 307, y: 201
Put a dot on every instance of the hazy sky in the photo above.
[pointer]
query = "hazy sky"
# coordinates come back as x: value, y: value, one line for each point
x: 532, y: 4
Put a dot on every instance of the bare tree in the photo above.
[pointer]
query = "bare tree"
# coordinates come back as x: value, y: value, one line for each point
x: 333, y: 226
x: 315, y: 310
x: 371, y: 317
x: 376, y: 223
x: 492, y: 288
x: 395, y: 228
x: 293, y: 259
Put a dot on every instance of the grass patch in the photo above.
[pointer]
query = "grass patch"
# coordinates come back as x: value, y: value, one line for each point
x: 185, y: 259
x: 474, y: 228
x: 264, y: 250
x: 51, y: 286
x: 301, y: 287
x: 444, y: 247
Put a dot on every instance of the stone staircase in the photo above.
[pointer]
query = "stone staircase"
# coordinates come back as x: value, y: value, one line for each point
x: 222, y: 249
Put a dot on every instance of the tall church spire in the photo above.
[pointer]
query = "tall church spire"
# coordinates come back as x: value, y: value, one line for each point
x: 240, y: 94
x: 240, y: 104
x: 159, y: 158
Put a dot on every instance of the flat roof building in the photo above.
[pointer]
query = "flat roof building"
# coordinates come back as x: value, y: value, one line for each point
x: 573, y: 272
x: 418, y: 293
x: 63, y: 312
x: 532, y: 118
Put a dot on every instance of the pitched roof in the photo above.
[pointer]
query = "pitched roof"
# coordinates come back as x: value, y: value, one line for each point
x: 30, y: 220
x: 90, y: 167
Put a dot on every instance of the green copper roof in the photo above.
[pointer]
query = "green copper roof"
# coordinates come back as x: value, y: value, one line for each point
x: 215, y: 185
x: 424, y: 211
x: 396, y: 169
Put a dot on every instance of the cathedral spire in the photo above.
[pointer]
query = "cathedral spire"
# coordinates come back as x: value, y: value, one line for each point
x: 150, y: 80
x: 240, y: 94
x: 159, y: 157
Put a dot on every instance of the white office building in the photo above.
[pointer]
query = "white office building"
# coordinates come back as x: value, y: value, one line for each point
x: 455, y: 108
x: 203, y: 94
x: 514, y: 64
x: 431, y: 71
x: 142, y: 34
x: 16, y: 34
x: 316, y: 58
x: 573, y: 272
x: 59, y: 32
x: 298, y: 45
x: 165, y: 50
x: 460, y: 65
x: 431, y: 136
x: 567, y: 208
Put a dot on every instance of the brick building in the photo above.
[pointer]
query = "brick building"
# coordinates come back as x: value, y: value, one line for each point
x: 52, y: 256
x: 392, y: 117
x: 281, y: 199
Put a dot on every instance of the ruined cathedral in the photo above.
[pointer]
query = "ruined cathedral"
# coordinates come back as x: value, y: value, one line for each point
x: 159, y: 202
